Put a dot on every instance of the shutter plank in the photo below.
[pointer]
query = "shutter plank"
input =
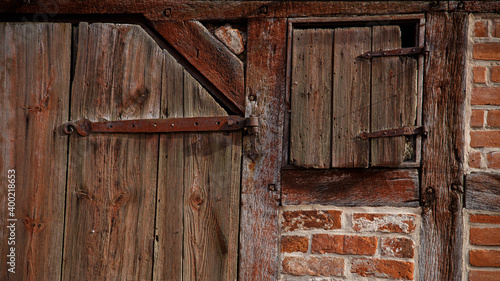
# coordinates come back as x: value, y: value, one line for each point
x: 35, y: 63
x: 112, y: 178
x: 311, y: 96
x: 394, y: 97
x: 351, y: 97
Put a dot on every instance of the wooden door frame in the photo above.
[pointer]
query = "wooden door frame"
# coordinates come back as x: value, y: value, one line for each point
x: 444, y: 99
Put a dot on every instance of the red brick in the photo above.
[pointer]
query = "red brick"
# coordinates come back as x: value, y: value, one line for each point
x: 315, y: 266
x: 477, y: 275
x: 479, y: 74
x: 343, y: 244
x: 485, y: 96
x: 485, y: 138
x: 493, y: 159
x: 485, y: 236
x: 290, y: 244
x: 484, y: 219
x: 306, y: 220
x: 477, y: 118
x: 384, y: 222
x: 484, y: 258
x: 481, y: 29
x: 383, y: 268
x: 495, y: 73
x: 475, y: 159
x: 398, y: 247
x: 493, y: 119
x: 486, y: 51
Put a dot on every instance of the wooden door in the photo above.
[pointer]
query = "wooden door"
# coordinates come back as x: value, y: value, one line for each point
x: 112, y: 206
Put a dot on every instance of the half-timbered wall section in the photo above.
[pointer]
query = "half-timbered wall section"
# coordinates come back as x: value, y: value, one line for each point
x: 367, y: 143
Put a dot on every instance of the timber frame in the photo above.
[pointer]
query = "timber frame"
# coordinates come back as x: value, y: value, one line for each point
x: 263, y: 77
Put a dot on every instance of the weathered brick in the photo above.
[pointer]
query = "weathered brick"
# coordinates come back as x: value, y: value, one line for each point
x: 479, y: 275
x: 485, y: 138
x: 477, y: 118
x: 481, y: 29
x: 343, y: 244
x: 479, y: 74
x: 384, y: 222
x: 383, y: 268
x: 493, y: 119
x: 290, y: 244
x: 485, y: 236
x: 398, y: 247
x: 486, y: 51
x: 484, y: 219
x: 475, y: 159
x: 307, y: 220
x: 495, y: 73
x: 493, y: 159
x: 314, y: 266
x: 485, y: 96
x: 484, y: 258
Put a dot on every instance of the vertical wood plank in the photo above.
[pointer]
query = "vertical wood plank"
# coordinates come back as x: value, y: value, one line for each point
x: 351, y: 97
x: 35, y: 63
x: 170, y: 197
x: 441, y: 234
x: 311, y: 98
x: 112, y: 178
x: 263, y: 152
x: 394, y: 96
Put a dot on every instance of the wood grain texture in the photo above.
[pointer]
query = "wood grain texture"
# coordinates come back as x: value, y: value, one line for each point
x: 210, y: 57
x: 482, y: 192
x: 351, y: 97
x: 311, y: 98
x: 394, y: 96
x: 35, y: 63
x: 351, y: 187
x: 266, y: 60
x: 112, y: 179
x: 441, y: 237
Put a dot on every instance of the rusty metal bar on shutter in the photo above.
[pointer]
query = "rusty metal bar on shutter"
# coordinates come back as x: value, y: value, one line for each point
x: 403, y: 131
x: 84, y: 127
x: 395, y: 52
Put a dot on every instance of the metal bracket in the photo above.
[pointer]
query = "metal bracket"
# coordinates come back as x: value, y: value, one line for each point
x: 396, y: 52
x: 84, y: 127
x: 403, y: 131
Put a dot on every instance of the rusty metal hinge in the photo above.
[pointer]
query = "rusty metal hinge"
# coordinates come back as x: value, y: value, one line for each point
x: 403, y: 131
x: 396, y: 52
x: 84, y: 127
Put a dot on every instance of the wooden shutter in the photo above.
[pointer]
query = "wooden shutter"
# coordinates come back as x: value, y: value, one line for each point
x: 336, y: 95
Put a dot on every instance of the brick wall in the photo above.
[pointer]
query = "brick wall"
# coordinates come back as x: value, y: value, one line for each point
x: 484, y: 92
x: 319, y: 243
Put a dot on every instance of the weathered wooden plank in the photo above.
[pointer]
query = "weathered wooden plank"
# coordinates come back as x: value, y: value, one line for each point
x: 34, y: 88
x: 394, y: 97
x: 440, y: 255
x: 210, y: 57
x: 112, y: 179
x: 311, y: 98
x: 262, y: 152
x: 474, y: 6
x: 211, y: 193
x: 169, y: 224
x: 482, y: 192
x: 351, y: 97
x: 352, y: 187
x: 220, y: 10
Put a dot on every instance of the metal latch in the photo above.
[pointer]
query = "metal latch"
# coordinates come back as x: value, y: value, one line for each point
x: 84, y: 127
x: 396, y: 52
x: 403, y: 131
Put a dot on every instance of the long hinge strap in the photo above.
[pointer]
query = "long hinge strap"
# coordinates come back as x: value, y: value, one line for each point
x: 395, y: 52
x: 403, y: 131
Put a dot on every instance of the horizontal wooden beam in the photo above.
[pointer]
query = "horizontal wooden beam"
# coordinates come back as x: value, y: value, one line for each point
x: 351, y: 187
x: 214, y: 61
x: 482, y: 191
